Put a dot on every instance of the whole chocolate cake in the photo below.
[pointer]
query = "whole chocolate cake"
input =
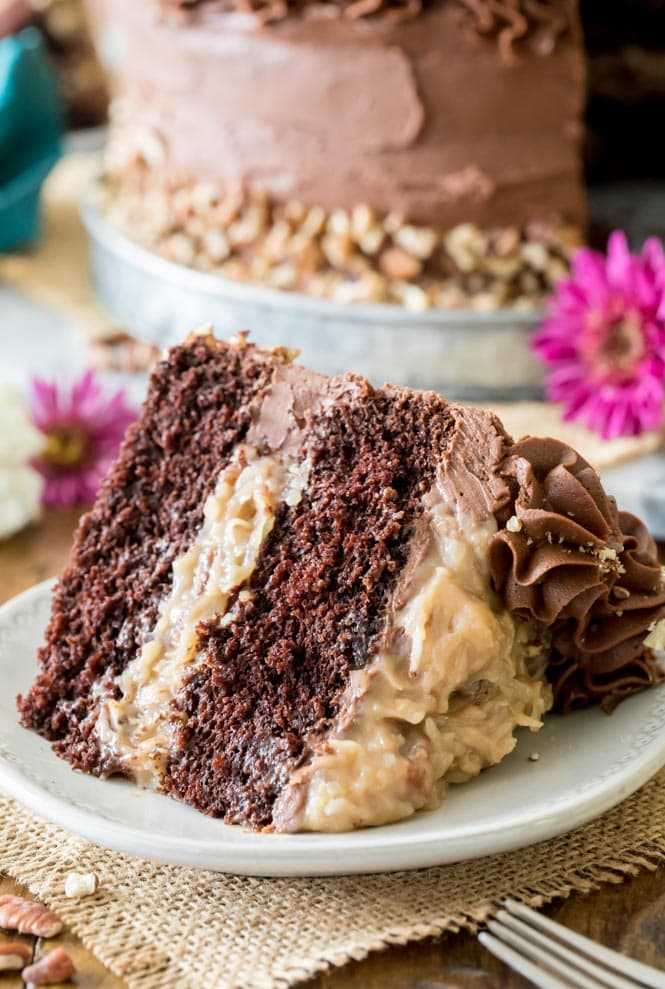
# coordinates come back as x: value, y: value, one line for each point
x: 424, y: 152
x: 302, y: 603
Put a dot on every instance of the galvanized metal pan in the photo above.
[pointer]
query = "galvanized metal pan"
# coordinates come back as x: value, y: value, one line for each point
x: 463, y: 354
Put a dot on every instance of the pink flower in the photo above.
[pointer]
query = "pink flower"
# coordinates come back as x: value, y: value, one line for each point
x: 604, y: 339
x: 82, y: 430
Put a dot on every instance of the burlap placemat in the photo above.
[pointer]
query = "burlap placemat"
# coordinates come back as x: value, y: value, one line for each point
x: 160, y: 927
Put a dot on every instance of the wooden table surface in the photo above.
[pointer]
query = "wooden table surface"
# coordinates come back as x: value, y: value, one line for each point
x: 630, y: 916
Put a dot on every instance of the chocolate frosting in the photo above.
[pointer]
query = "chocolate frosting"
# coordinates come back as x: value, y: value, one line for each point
x: 569, y: 560
x: 294, y: 395
x: 469, y: 474
x: 537, y: 24
x: 267, y: 11
x: 429, y: 121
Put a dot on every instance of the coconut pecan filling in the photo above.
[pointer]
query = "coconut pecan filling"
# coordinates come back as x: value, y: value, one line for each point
x: 439, y: 702
x: 137, y: 731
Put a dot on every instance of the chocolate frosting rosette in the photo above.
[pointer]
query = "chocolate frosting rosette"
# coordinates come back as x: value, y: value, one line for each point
x: 589, y: 574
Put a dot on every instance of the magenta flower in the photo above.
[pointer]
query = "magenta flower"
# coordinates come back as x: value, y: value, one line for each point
x: 604, y: 339
x: 82, y: 430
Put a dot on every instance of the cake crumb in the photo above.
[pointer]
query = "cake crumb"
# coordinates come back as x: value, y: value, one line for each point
x: 204, y: 330
x: 534, y: 757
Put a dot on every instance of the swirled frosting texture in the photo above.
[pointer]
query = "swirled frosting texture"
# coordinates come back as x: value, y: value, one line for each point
x: 512, y: 24
x: 586, y: 572
x: 268, y: 11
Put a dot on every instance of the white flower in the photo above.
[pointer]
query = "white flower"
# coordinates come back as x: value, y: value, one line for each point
x: 20, y: 485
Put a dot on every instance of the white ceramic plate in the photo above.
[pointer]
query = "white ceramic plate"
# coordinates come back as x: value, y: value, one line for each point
x: 588, y: 763
x: 639, y: 487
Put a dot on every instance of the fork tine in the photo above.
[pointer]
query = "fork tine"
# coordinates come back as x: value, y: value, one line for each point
x: 577, y: 969
x: 539, y: 977
x: 541, y: 953
x: 641, y: 973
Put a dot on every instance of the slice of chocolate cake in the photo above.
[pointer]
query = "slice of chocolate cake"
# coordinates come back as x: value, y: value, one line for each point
x: 302, y: 603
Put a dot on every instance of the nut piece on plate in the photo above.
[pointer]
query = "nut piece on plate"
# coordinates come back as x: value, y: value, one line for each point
x: 13, y: 956
x: 28, y: 917
x: 118, y: 351
x: 79, y: 884
x: 56, y: 966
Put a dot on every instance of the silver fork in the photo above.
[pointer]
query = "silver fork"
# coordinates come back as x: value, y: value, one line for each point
x: 554, y: 957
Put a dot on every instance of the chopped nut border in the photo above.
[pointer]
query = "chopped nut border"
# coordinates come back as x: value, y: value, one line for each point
x: 348, y: 256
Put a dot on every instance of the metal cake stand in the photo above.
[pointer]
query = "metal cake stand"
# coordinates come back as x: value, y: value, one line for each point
x: 466, y: 355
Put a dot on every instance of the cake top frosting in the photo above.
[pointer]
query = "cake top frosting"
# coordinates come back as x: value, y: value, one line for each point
x: 537, y: 24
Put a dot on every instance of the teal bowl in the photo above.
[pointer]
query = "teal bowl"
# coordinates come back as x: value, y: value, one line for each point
x: 30, y: 132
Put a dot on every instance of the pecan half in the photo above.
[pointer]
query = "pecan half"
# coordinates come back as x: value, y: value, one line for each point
x: 14, y: 955
x: 28, y: 917
x: 56, y: 966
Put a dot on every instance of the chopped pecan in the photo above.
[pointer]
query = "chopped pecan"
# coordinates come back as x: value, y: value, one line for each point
x: 399, y: 266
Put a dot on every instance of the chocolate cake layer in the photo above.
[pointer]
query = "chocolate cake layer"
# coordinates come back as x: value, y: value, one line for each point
x: 272, y: 679
x: 198, y: 408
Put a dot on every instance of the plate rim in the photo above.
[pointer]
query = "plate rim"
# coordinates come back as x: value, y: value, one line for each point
x: 371, y: 848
